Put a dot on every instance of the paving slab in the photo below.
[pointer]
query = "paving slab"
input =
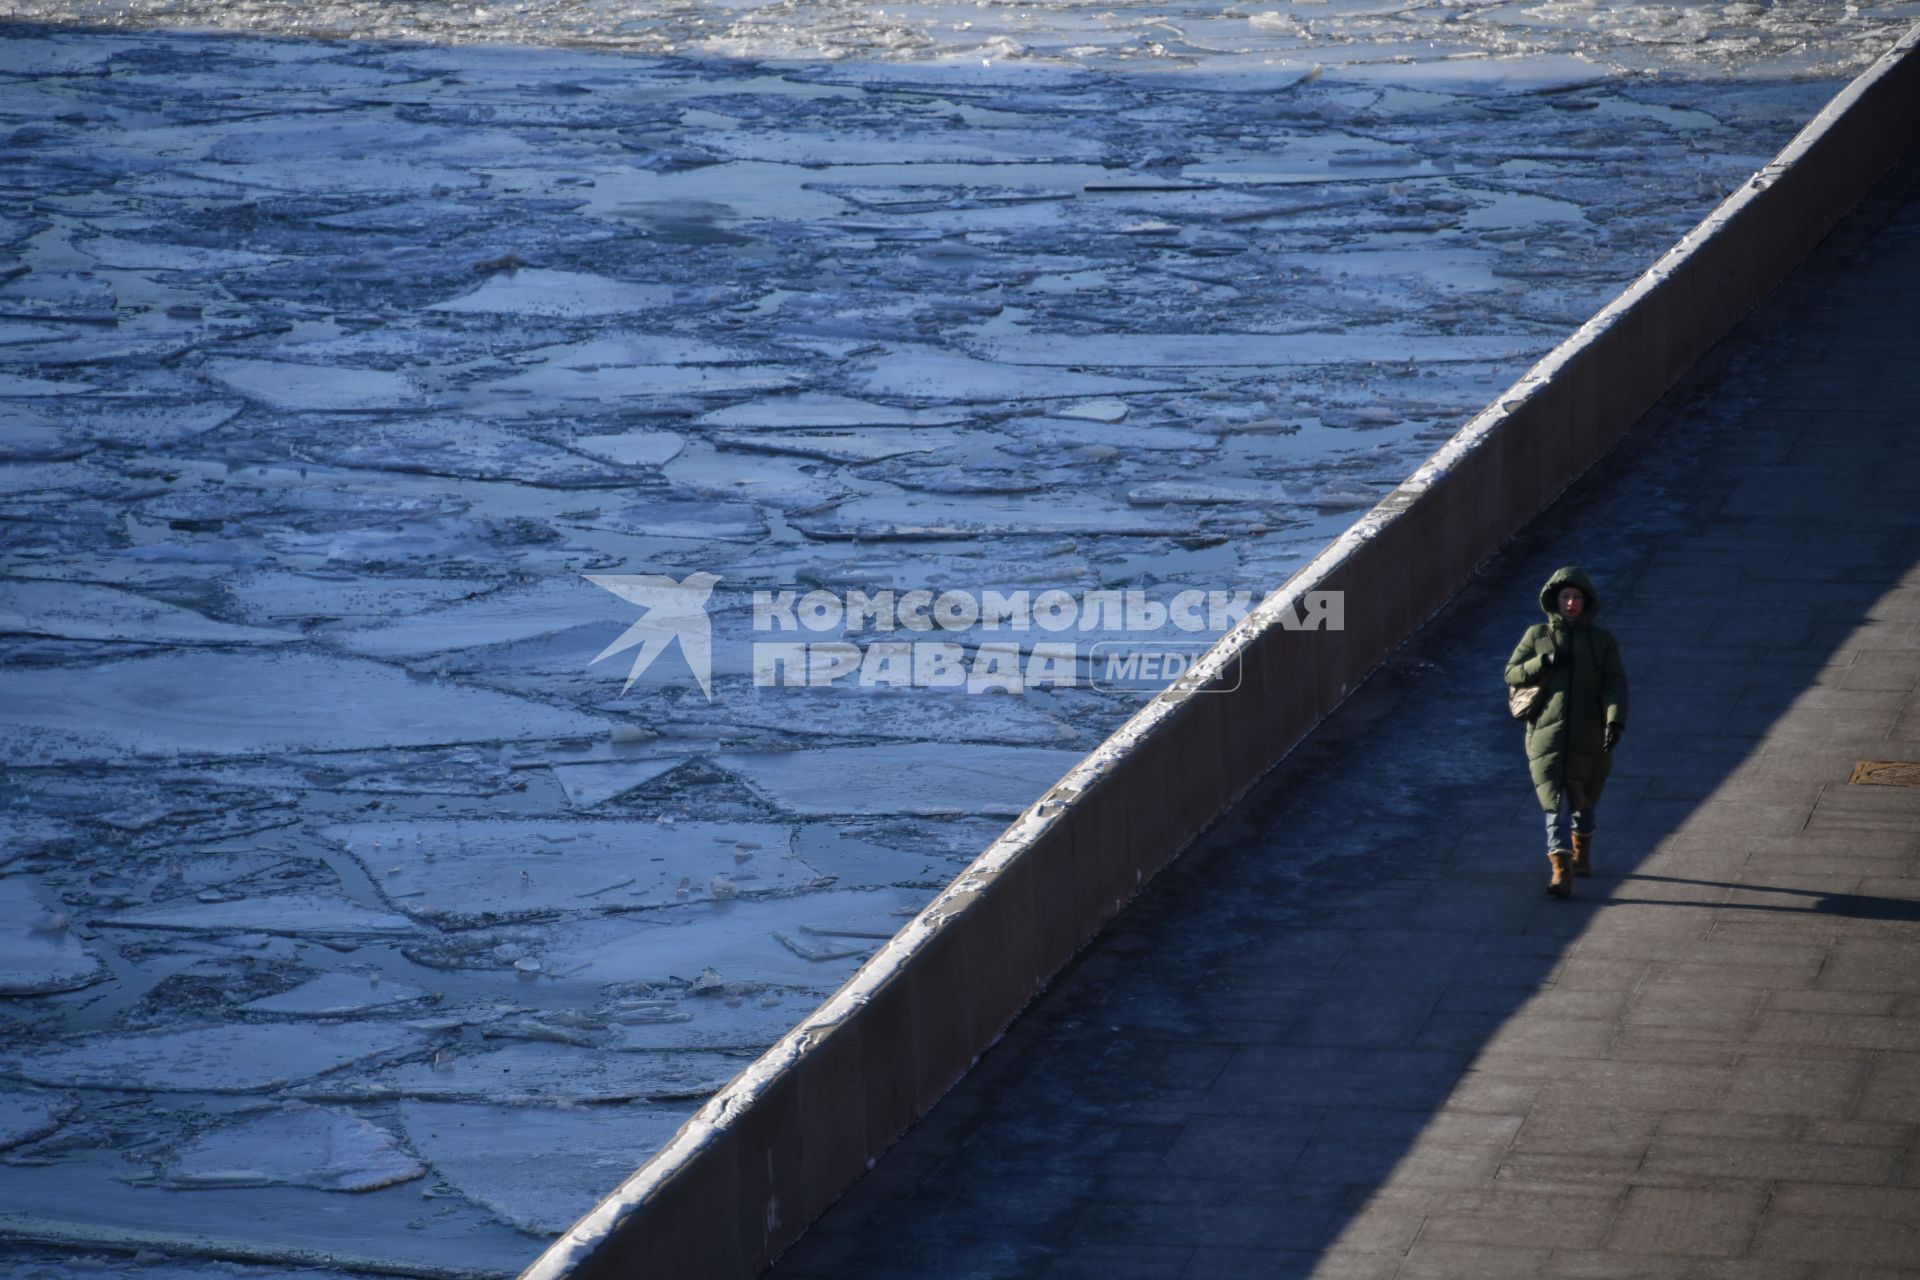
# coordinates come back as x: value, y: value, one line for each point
x: 1348, y: 1036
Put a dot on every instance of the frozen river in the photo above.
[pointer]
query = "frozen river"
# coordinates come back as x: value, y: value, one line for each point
x: 354, y: 907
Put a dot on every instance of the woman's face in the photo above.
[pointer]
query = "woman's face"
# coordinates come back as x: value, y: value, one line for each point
x: 1571, y: 601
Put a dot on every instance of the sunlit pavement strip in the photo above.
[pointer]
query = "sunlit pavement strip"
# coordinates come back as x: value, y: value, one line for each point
x: 1349, y: 1036
x: 335, y: 880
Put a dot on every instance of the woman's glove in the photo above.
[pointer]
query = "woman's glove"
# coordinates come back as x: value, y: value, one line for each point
x: 1613, y: 735
x: 1548, y: 659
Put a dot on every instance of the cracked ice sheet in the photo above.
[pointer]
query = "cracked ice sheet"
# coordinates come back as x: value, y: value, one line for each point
x: 149, y: 1264
x: 292, y: 1145
x: 540, y: 1072
x: 538, y: 1168
x: 591, y: 784
x: 957, y: 517
x: 871, y: 444
x: 22, y: 834
x: 814, y: 941
x: 223, y: 1058
x: 317, y: 915
x: 82, y: 611
x: 919, y: 777
x: 250, y: 143
x: 1535, y: 73
x: 854, y: 863
x: 1252, y: 350
x: 247, y: 704
x: 814, y: 410
x: 110, y: 1201
x: 544, y: 608
x: 292, y: 177
x: 467, y: 447
x: 152, y: 425
x: 12, y: 333
x: 27, y: 1114
x: 701, y: 519
x: 457, y: 771
x: 624, y: 350
x: 790, y: 484
x: 547, y: 387
x: 632, y: 448
x: 1094, y: 261
x: 335, y: 994
x: 927, y: 146
x: 567, y: 294
x: 907, y: 715
x: 1120, y: 437
x: 37, y: 952
x: 929, y: 373
x: 457, y: 870
x: 316, y: 388
x: 278, y: 596
x: 138, y: 255
x: 743, y: 1024
x: 13, y: 384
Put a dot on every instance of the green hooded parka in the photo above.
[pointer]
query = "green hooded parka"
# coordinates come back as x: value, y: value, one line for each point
x: 1586, y: 691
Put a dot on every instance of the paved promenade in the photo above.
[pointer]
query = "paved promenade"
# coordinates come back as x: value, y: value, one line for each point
x: 1350, y: 1037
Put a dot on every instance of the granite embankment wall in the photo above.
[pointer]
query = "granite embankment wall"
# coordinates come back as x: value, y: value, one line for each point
x: 772, y: 1150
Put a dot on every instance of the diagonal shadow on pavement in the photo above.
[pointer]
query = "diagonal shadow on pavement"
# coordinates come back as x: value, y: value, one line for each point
x: 1346, y: 1035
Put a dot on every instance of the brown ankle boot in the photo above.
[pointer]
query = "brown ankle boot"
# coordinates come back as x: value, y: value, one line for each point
x: 1561, y: 885
x: 1582, y: 854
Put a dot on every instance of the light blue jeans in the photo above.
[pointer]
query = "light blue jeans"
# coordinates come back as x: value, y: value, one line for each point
x: 1558, y: 824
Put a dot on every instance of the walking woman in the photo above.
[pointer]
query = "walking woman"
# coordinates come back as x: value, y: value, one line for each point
x: 1577, y: 720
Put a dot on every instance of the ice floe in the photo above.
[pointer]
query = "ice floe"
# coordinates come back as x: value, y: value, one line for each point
x: 337, y: 994
x: 332, y: 365
x: 318, y: 388
x: 227, y: 1058
x: 39, y: 952
x: 370, y: 175
x: 23, y: 834
x: 280, y: 596
x: 567, y: 294
x: 1259, y: 350
x: 292, y: 1145
x: 872, y: 444
x: 1107, y: 410
x: 815, y: 410
x: 595, y: 1066
x: 14, y: 384
x: 464, y: 447
x: 157, y: 424
x: 504, y: 867
x: 594, y: 783
x: 932, y: 374
x: 541, y: 608
x: 84, y: 611
x: 655, y: 381
x: 510, y: 1159
x: 143, y: 255
x: 289, y: 913
x: 632, y: 448
x: 241, y: 704
x: 813, y: 941
x: 944, y: 517
x: 915, y: 777
x: 27, y: 1114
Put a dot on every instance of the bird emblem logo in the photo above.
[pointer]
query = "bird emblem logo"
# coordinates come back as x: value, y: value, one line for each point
x: 673, y: 611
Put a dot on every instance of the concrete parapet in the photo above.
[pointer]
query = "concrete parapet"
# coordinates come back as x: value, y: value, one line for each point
x: 768, y: 1153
